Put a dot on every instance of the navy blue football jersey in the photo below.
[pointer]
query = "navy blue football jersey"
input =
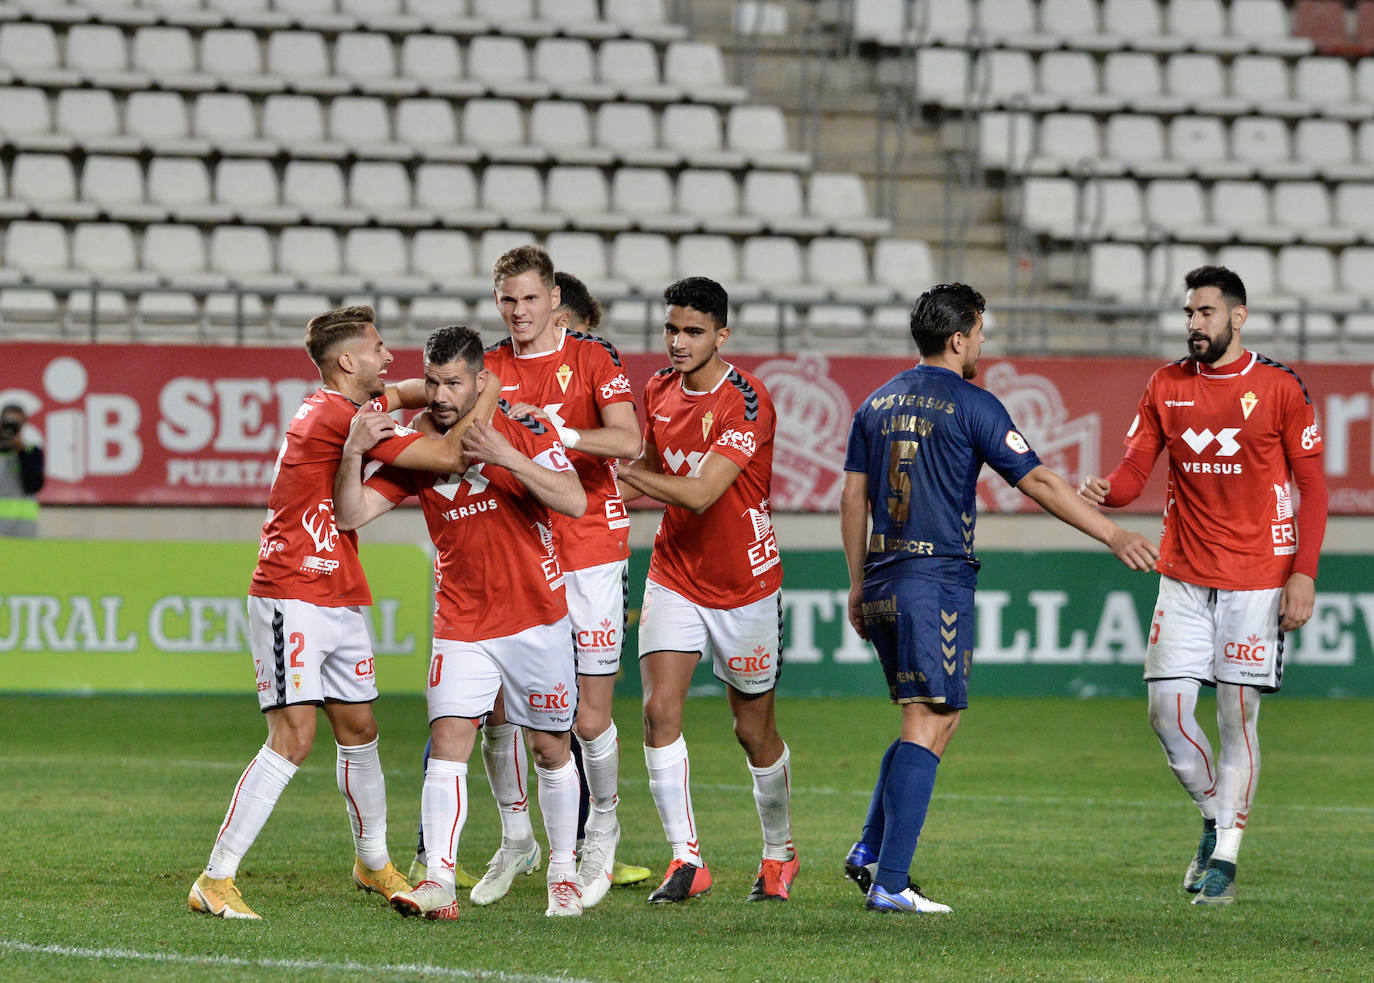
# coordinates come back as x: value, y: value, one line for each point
x: 922, y: 438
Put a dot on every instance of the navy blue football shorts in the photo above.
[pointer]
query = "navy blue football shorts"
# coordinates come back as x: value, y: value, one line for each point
x: 924, y: 634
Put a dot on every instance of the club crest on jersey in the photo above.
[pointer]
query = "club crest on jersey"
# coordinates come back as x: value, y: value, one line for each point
x: 1248, y: 402
x: 706, y: 422
x: 296, y: 681
x: 564, y: 376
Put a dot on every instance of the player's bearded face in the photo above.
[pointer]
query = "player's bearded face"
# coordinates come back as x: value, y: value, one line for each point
x: 372, y: 358
x: 452, y: 390
x: 1206, y: 348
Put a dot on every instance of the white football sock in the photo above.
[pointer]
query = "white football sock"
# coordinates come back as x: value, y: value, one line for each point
x: 443, y: 811
x: 559, y: 789
x: 503, y: 754
x: 601, y: 770
x: 670, y: 775
x: 1228, y: 843
x: 1239, y: 765
x: 256, y: 794
x: 772, y: 796
x: 358, y: 770
x: 1173, y: 705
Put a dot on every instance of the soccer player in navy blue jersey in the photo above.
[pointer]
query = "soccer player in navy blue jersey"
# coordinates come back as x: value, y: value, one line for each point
x: 916, y: 446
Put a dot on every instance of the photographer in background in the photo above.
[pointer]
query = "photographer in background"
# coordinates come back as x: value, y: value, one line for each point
x: 21, y: 475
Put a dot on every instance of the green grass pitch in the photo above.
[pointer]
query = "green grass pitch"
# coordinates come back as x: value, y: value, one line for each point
x: 1056, y: 833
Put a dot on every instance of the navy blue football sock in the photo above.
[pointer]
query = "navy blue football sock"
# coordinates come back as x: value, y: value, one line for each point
x: 874, y: 821
x: 906, y: 796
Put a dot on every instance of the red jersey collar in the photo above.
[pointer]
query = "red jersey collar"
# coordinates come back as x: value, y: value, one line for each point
x: 1246, y: 362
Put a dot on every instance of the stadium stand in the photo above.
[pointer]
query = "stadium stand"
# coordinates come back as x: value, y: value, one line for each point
x: 170, y: 168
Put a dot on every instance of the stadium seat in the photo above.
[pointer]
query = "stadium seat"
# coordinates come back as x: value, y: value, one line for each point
x: 630, y: 130
x: 245, y: 254
x: 1203, y: 23
x: 444, y: 259
x: 98, y: 53
x: 26, y: 120
x: 646, y: 195
x: 1069, y: 19
x: 1258, y: 263
x: 1354, y: 206
x: 1310, y: 271
x: 1117, y: 207
x: 1137, y: 141
x: 568, y: 65
x: 1262, y: 142
x: 1011, y: 22
x: 436, y: 63
x: 1264, y: 23
x: 1324, y: 22
x: 116, y: 185
x: 1305, y: 206
x: 312, y: 257
x: 1178, y: 206
x: 105, y: 250
x: 427, y: 127
x: 515, y: 192
x: 698, y: 68
x: 776, y: 198
x: 776, y: 264
x: 182, y: 185
x: 630, y: 65
x: 1138, y: 23
x: 502, y: 65
x: 576, y: 18
x: 840, y: 265
x: 1136, y: 78
x: 713, y: 256
x: 234, y: 56
x: 583, y: 253
x: 296, y: 122
x: 497, y: 127
x: 943, y: 23
x: 90, y: 115
x: 644, y: 260
x: 564, y: 128
x: 363, y: 125
x: 712, y: 198
x: 840, y: 199
x: 382, y: 190
x: 1052, y: 206
x: 168, y: 56
x: 582, y: 195
x: 1356, y: 264
x: 1063, y: 140
x: 695, y: 133
x: 840, y: 328
x: 646, y: 18
x: 942, y: 77
x: 1010, y: 75
x: 40, y: 250
x: 1116, y: 271
x: 161, y: 123
x: 176, y: 253
x: 1328, y: 83
x: 249, y: 187
x: 1242, y: 208
x: 379, y: 258
x: 1364, y: 141
x: 48, y: 183
x: 302, y: 59
x: 227, y: 121
x: 1201, y: 80
x: 317, y: 189
x: 1200, y: 141
x: 903, y: 265
x: 1264, y: 80
x: 449, y: 191
x: 1329, y: 145
x: 368, y: 60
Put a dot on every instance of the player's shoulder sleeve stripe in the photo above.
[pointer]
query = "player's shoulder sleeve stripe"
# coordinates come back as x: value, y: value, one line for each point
x: 503, y: 343
x: 1275, y: 364
x: 531, y: 423
x: 751, y: 396
x: 597, y: 340
x: 664, y: 371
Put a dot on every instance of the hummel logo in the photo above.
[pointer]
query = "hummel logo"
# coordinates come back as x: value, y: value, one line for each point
x: 510, y: 389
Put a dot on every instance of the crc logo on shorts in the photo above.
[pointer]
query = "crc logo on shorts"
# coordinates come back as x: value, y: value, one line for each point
x: 619, y: 386
x: 757, y: 664
x: 365, y: 668
x: 602, y: 638
x: 740, y: 440
x: 1247, y: 651
x: 555, y: 703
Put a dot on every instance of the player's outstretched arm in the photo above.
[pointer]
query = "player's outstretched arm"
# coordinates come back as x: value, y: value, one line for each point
x: 697, y: 491
x: 444, y: 455
x: 1053, y: 494
x: 356, y: 505
x: 408, y: 394
x: 854, y: 535
x: 558, y: 490
x: 618, y: 435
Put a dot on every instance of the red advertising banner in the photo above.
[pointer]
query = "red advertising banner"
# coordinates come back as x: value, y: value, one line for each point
x: 188, y: 425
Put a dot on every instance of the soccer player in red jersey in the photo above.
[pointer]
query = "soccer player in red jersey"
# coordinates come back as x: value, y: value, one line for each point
x: 715, y: 581
x: 308, y: 636
x: 1238, y: 562
x: 501, y: 622
x: 573, y: 382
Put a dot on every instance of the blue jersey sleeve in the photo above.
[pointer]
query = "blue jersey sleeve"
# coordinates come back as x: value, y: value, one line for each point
x: 998, y: 441
x: 856, y: 449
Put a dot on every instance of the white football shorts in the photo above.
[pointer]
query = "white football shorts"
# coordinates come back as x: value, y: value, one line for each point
x: 1216, y: 636
x: 597, y: 601
x: 535, y: 667
x: 305, y: 653
x: 745, y: 643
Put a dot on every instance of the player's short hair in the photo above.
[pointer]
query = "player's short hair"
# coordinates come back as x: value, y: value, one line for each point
x: 574, y: 295
x: 522, y: 259
x: 1225, y: 280
x: 12, y: 408
x: 702, y: 294
x: 454, y: 343
x: 325, y: 331
x: 944, y: 310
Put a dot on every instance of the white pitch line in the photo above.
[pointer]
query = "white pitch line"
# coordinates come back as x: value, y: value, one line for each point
x: 176, y: 958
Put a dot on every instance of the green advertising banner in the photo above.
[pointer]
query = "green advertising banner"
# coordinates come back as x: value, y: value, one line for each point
x: 125, y: 616
x: 129, y: 616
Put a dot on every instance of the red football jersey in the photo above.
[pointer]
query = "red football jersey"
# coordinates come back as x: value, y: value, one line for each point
x: 571, y: 384
x: 727, y: 556
x: 496, y: 572
x: 1229, y: 516
x: 302, y: 555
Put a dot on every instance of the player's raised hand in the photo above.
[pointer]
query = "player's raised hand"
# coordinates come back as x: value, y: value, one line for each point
x: 1133, y: 549
x: 483, y: 442
x: 369, y: 428
x: 1094, y: 489
x: 522, y: 410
